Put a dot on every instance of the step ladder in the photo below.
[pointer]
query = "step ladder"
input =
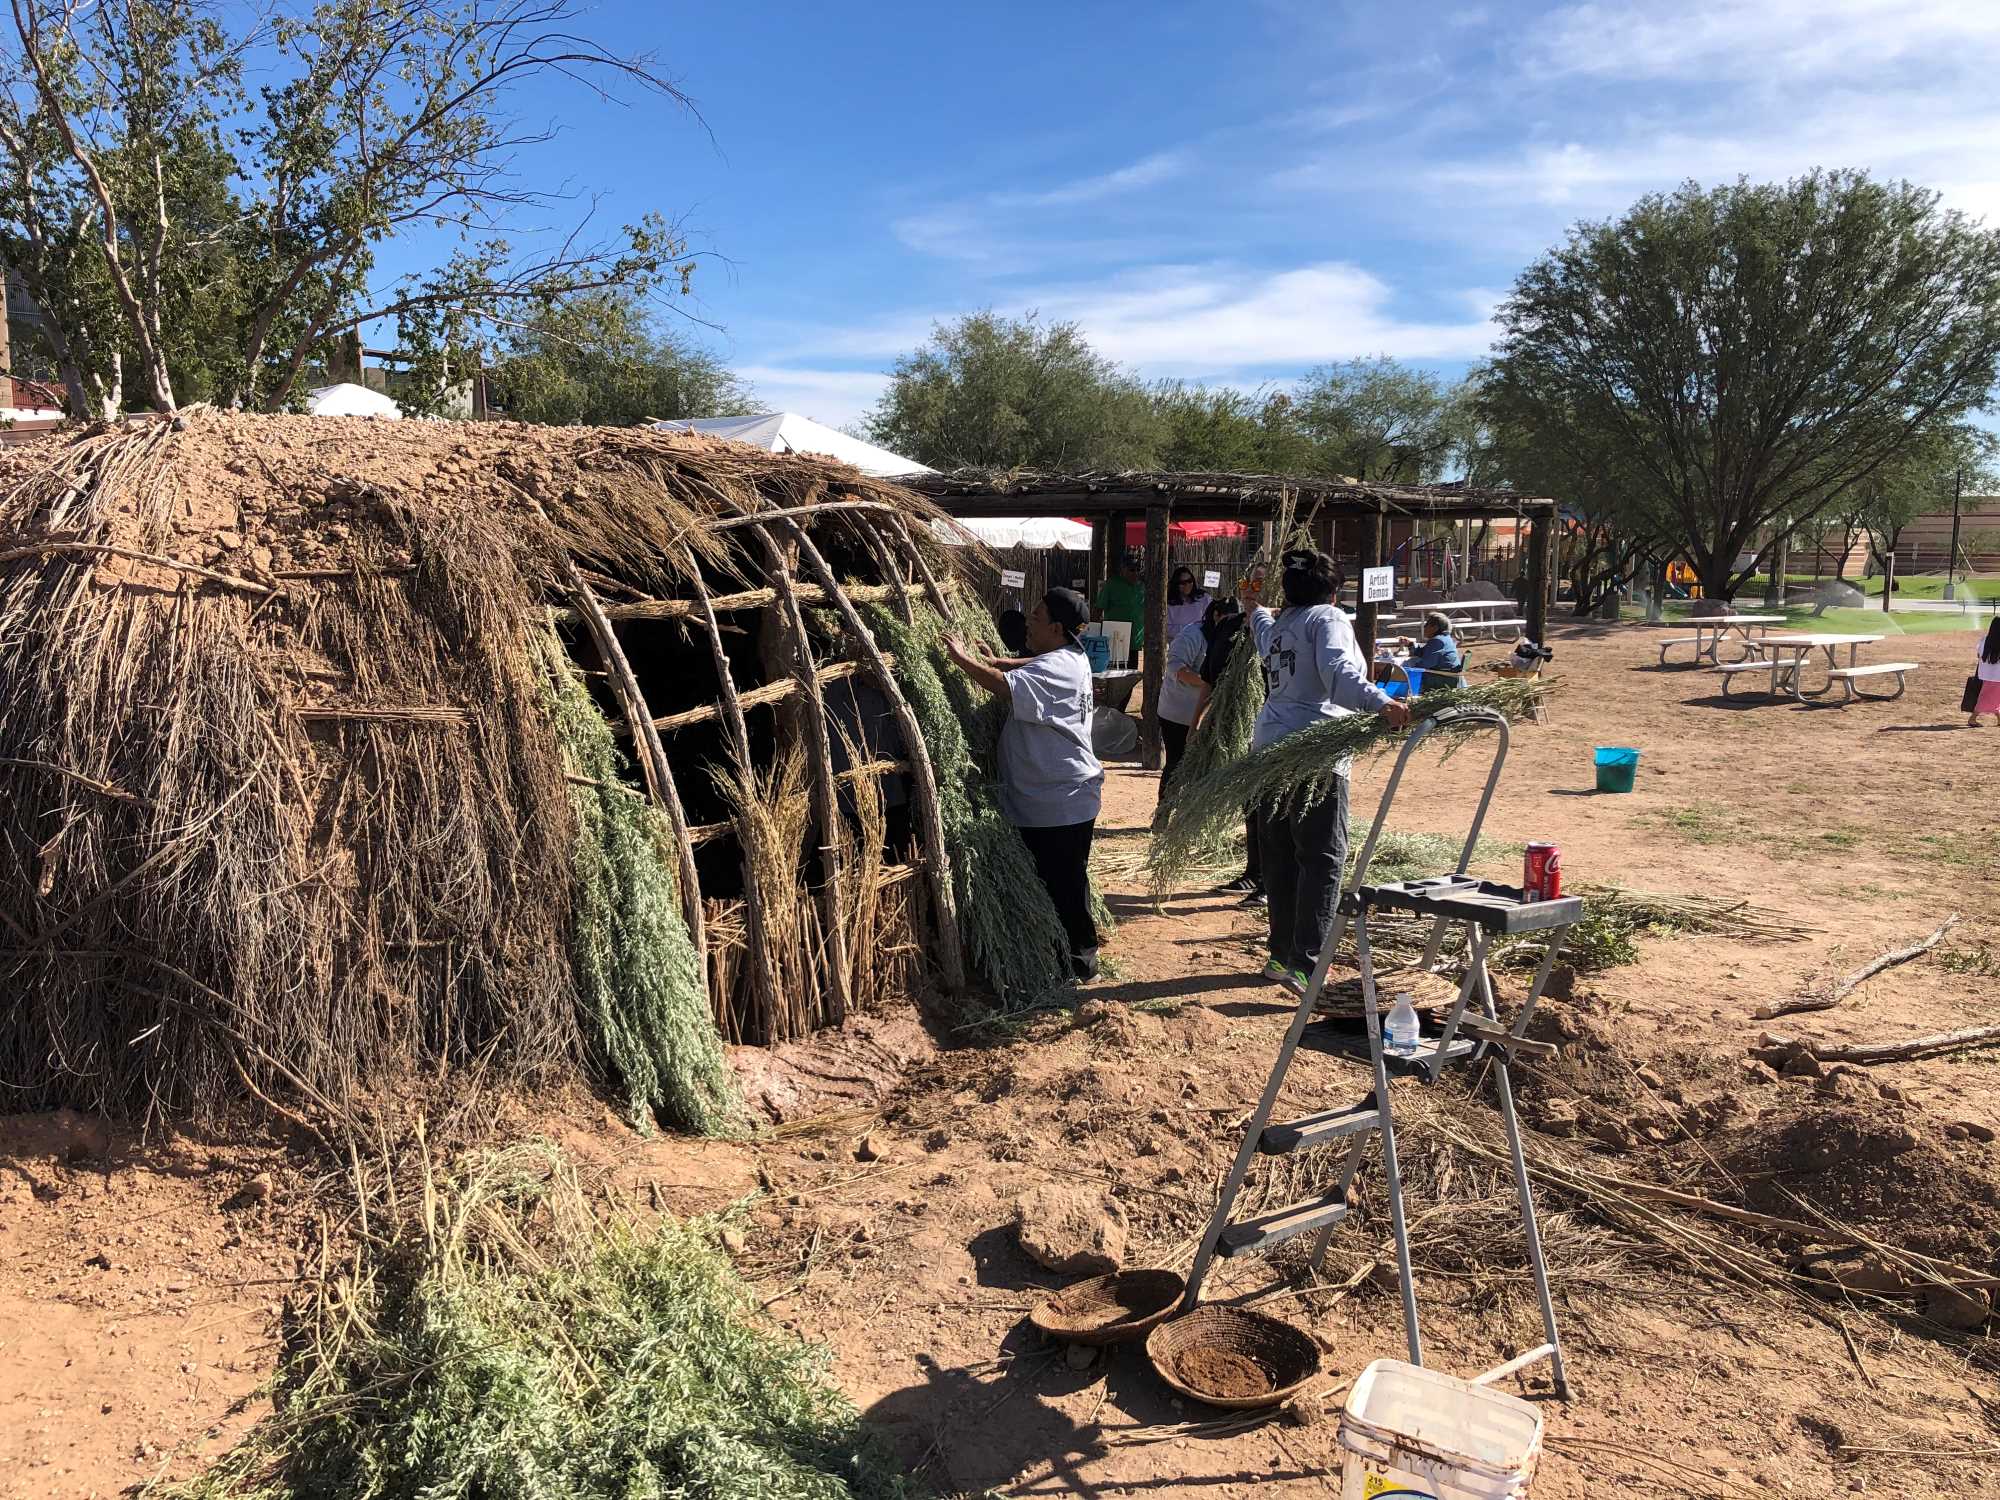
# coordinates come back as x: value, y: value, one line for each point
x: 1472, y: 1032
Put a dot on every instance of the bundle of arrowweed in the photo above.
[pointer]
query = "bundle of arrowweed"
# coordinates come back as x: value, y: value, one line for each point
x: 1298, y: 771
x: 488, y: 1336
x: 638, y: 979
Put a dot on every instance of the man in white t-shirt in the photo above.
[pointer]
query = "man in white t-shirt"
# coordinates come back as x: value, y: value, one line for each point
x: 1051, y: 784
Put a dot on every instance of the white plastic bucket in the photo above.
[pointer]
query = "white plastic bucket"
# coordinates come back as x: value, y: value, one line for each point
x: 1411, y: 1434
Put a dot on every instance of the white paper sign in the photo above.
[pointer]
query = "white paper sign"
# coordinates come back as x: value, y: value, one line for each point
x: 1378, y: 585
x: 1211, y: 578
x: 1013, y: 578
x: 1078, y: 583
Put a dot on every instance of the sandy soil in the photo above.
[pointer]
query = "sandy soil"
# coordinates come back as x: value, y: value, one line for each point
x: 879, y: 1218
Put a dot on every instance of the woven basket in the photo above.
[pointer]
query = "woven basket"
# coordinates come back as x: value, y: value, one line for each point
x: 1250, y: 1348
x: 1110, y: 1309
x: 1428, y: 992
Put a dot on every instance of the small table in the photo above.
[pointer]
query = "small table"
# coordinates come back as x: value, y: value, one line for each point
x: 1787, y: 658
x: 1711, y: 630
x: 1493, y: 615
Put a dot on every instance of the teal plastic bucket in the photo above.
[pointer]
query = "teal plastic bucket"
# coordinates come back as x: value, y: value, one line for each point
x: 1616, y: 767
x: 1098, y: 649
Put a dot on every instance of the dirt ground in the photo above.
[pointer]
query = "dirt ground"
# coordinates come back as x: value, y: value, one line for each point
x: 138, y: 1282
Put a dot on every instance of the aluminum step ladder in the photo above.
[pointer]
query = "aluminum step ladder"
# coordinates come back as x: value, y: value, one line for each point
x: 1472, y: 1032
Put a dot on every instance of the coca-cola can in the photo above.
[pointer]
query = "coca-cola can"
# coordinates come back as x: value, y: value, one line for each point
x: 1541, y: 872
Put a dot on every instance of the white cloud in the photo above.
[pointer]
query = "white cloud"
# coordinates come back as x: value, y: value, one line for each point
x: 1775, y: 40
x: 835, y: 397
x: 1014, y: 230
x: 1200, y: 320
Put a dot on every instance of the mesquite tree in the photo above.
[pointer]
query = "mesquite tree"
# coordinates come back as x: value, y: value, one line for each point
x: 185, y: 236
x: 1744, y: 357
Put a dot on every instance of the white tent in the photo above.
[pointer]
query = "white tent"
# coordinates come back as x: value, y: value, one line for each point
x: 1016, y: 531
x: 350, y: 400
x: 788, y: 432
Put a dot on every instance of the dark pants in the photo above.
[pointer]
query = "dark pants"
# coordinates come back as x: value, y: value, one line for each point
x: 1253, y: 859
x: 1173, y: 737
x: 1062, y: 859
x: 1303, y: 856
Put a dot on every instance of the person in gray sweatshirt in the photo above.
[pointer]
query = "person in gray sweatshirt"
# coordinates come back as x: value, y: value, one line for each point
x: 1314, y: 669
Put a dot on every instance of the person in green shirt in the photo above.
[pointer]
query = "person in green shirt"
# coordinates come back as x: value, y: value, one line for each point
x: 1120, y: 597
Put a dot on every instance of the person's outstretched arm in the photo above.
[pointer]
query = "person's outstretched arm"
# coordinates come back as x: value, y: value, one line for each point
x: 987, y: 674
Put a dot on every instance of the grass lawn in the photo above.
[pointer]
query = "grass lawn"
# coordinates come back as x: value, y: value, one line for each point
x: 1871, y: 621
x: 1908, y: 585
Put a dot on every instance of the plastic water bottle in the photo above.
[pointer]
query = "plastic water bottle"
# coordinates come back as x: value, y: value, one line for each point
x: 1404, y: 1027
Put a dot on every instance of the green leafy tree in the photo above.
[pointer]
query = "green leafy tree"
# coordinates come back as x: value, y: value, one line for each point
x: 187, y: 236
x: 1223, y: 430
x: 603, y: 359
x: 1919, y: 481
x: 1610, y: 534
x: 994, y: 392
x: 1748, y: 355
x: 1379, y: 419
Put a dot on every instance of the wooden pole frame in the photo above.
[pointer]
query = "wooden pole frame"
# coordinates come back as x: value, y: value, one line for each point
x: 1152, y: 750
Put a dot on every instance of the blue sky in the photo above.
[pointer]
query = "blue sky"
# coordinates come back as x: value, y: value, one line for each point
x: 1229, y: 193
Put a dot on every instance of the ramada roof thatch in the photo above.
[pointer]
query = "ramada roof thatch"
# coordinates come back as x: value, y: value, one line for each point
x: 1208, y: 496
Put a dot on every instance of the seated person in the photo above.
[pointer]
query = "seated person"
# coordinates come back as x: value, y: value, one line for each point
x: 1439, y: 655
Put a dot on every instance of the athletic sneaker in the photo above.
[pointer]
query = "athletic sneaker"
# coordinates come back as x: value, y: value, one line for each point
x: 1285, y: 977
x: 1242, y: 885
x: 1084, y: 964
x: 1255, y: 901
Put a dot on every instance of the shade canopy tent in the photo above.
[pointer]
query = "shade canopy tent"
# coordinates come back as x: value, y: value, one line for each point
x: 1114, y: 503
x: 1016, y: 531
x: 1186, y: 531
x: 349, y: 400
x: 788, y: 432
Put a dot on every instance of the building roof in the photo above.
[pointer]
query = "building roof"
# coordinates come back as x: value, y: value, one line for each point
x: 1228, y: 497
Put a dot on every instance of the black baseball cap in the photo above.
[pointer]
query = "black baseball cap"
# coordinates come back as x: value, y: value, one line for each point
x: 1067, y: 608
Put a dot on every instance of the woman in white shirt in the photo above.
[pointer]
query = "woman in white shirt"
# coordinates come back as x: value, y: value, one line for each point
x: 1988, y: 673
x: 1186, y: 602
x: 1184, y: 691
x: 1051, y: 784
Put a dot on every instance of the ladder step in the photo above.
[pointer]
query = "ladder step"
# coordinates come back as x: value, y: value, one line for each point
x: 1287, y: 1223
x: 1354, y: 1046
x: 1316, y: 1130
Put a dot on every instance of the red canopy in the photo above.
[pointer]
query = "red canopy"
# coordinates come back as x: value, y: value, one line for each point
x: 1185, y: 531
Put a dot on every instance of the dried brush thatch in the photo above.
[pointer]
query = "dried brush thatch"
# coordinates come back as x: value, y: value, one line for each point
x: 284, y: 804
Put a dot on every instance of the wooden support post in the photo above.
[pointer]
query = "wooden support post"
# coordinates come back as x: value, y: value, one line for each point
x: 1366, y: 613
x: 930, y: 821
x: 649, y: 752
x: 1152, y: 749
x: 826, y: 803
x: 1541, y: 552
x: 764, y: 966
x: 1100, y: 534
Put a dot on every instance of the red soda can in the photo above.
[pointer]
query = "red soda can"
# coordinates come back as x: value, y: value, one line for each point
x: 1541, y: 872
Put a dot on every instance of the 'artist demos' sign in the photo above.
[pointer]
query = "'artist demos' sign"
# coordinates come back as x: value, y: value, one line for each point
x: 1378, y: 585
x: 1012, y: 578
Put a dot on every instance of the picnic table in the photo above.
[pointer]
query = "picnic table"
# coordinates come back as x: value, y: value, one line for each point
x: 1785, y: 658
x: 1711, y: 630
x: 1491, y: 615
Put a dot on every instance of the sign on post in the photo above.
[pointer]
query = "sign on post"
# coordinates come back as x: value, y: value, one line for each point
x: 1013, y: 578
x: 1378, y: 585
x: 1211, y: 578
